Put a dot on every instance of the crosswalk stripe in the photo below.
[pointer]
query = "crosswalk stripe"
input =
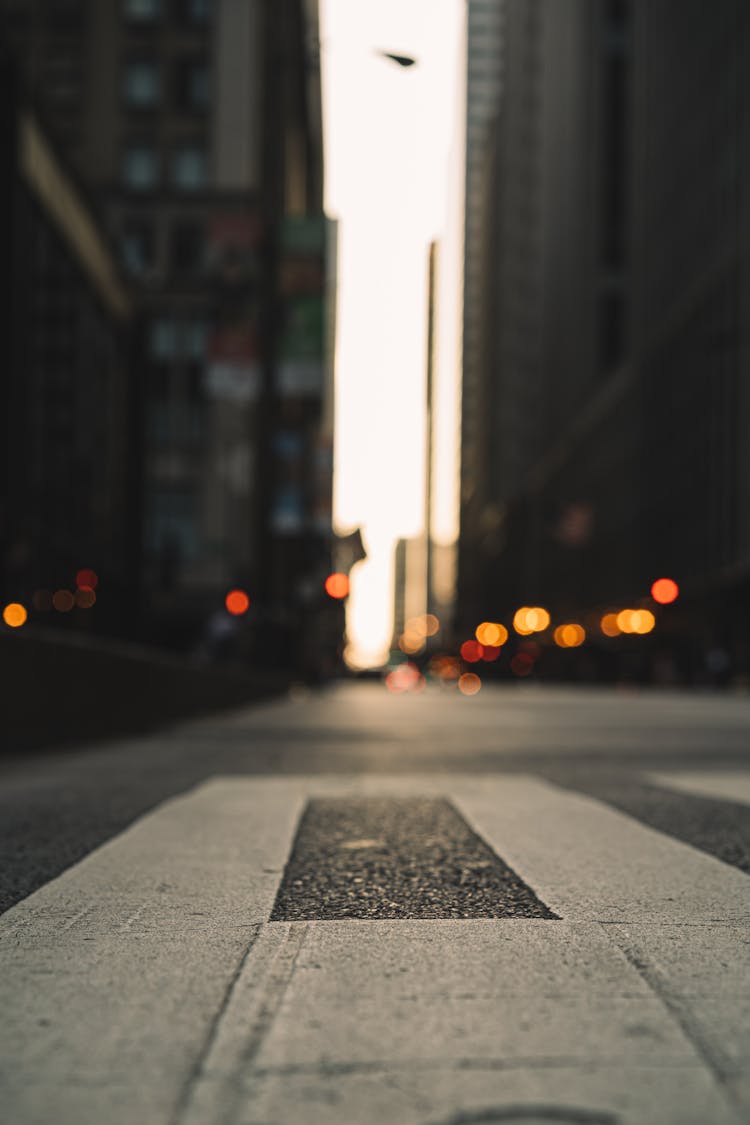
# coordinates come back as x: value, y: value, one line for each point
x: 588, y: 861
x: 727, y: 785
x: 145, y: 983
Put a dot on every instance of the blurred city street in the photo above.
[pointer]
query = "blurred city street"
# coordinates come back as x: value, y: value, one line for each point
x: 354, y: 906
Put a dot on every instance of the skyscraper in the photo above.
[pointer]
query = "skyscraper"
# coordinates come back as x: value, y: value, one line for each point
x: 196, y: 125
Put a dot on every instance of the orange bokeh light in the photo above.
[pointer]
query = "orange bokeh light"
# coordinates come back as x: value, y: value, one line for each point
x: 469, y: 683
x: 530, y: 619
x: 337, y: 586
x: 665, y: 591
x: 237, y: 602
x: 639, y: 621
x: 491, y: 633
x: 15, y: 615
x: 609, y: 625
x: 570, y: 635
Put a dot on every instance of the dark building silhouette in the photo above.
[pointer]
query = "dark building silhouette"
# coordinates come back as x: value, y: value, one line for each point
x: 70, y: 493
x: 613, y: 367
x: 196, y: 128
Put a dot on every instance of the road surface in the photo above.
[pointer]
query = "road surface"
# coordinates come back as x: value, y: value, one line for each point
x: 526, y: 906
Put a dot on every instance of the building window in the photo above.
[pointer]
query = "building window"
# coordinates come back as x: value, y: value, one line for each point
x: 192, y: 85
x: 137, y: 247
x: 141, y: 11
x: 141, y: 84
x: 189, y: 168
x: 187, y: 248
x: 140, y: 167
x: 162, y: 343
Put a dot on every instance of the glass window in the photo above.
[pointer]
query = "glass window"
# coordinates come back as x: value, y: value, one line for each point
x: 189, y: 168
x: 141, y: 84
x: 140, y: 167
x: 162, y: 344
x: 196, y: 340
x: 141, y: 11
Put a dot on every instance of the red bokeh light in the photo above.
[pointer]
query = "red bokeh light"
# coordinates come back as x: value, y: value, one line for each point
x: 237, y: 602
x: 665, y: 591
x: 87, y: 579
x: 337, y: 586
x: 490, y: 653
x: 471, y: 651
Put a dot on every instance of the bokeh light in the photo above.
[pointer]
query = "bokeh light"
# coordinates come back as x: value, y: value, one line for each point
x: 665, y: 591
x: 491, y: 633
x: 639, y: 621
x: 490, y: 653
x: 237, y: 602
x: 471, y: 652
x: 469, y: 683
x: 609, y: 625
x: 426, y: 625
x: 42, y: 601
x: 570, y: 635
x: 446, y: 668
x: 85, y: 597
x: 63, y: 601
x: 337, y: 586
x: 87, y: 579
x: 405, y: 677
x: 531, y: 619
x: 411, y: 642
x: 15, y: 615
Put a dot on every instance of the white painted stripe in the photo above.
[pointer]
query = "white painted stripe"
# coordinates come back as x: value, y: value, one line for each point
x: 416, y: 1022
x: 129, y: 991
x: 588, y: 861
x: 727, y: 785
x: 112, y: 975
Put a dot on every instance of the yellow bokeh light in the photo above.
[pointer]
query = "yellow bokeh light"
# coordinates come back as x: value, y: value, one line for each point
x: 639, y: 621
x: 15, y: 615
x: 491, y: 633
x: 531, y: 619
x: 609, y: 625
x: 643, y: 621
x: 469, y: 683
x: 520, y: 621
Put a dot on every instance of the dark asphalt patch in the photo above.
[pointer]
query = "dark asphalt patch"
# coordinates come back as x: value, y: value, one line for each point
x: 412, y: 857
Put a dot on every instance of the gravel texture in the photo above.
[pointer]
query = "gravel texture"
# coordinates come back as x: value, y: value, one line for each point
x: 396, y: 858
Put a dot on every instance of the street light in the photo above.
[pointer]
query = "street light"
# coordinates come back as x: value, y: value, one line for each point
x: 400, y: 60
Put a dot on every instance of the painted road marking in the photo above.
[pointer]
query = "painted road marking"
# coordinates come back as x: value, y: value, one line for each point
x: 726, y: 785
x: 145, y: 983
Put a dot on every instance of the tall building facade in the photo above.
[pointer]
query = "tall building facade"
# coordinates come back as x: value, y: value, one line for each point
x: 613, y: 331
x: 484, y: 72
x: 196, y: 126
